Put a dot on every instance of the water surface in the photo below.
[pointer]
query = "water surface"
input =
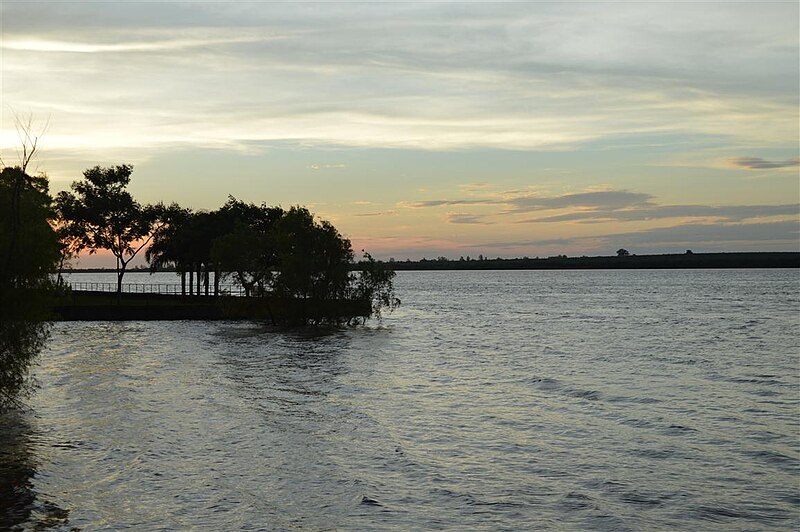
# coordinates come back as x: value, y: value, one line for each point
x: 603, y: 400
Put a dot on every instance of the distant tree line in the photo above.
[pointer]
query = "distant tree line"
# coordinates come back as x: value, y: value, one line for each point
x: 688, y: 259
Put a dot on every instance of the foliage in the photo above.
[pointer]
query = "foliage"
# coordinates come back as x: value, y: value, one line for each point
x: 100, y: 214
x: 168, y: 247
x: 28, y: 241
x: 376, y: 285
x: 301, y: 265
x: 245, y: 248
x: 285, y: 256
x: 244, y: 253
x: 313, y: 258
x: 30, y: 252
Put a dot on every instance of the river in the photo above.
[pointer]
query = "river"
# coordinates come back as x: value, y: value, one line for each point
x: 498, y: 400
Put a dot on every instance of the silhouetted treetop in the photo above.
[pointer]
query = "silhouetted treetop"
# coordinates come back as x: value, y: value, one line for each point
x: 100, y: 213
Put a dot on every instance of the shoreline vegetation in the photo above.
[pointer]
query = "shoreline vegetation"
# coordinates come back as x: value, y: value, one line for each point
x: 295, y: 269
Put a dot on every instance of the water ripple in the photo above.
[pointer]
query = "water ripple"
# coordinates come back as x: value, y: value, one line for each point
x: 617, y: 400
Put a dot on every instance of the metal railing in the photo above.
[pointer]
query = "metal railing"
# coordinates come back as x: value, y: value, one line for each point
x: 152, y: 288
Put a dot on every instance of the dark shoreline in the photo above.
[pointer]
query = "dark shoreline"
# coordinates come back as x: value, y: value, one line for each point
x: 629, y: 262
x: 110, y: 306
x: 787, y: 259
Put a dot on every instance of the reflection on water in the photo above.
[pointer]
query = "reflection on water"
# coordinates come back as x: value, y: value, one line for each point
x: 491, y: 400
x: 20, y: 505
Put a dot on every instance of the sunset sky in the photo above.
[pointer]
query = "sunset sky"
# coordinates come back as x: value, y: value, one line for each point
x: 431, y: 128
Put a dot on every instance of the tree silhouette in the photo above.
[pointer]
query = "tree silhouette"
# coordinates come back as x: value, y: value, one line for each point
x: 313, y: 258
x: 101, y: 214
x: 169, y: 241
x: 244, y: 244
x: 30, y: 250
x: 286, y: 257
x: 375, y: 284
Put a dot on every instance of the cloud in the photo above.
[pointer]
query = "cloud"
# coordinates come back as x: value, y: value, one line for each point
x: 757, y: 163
x: 605, y: 199
x: 378, y: 213
x: 602, y: 206
x: 158, y: 45
x: 316, y: 167
x: 525, y: 201
x: 465, y: 218
x: 731, y: 213
x: 714, y: 226
x: 444, y: 203
x: 712, y: 235
x: 512, y: 76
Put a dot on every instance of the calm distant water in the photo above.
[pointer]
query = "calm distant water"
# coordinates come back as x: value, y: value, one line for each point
x: 593, y: 400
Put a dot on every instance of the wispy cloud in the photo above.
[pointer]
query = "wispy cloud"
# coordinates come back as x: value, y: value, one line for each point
x: 447, y: 203
x: 730, y: 213
x: 326, y: 166
x: 526, y: 201
x: 712, y: 235
x: 606, y: 199
x: 376, y: 213
x: 594, y: 206
x: 466, y: 218
x: 517, y: 76
x: 753, y: 224
x: 43, y: 45
x: 757, y: 163
x: 417, y: 96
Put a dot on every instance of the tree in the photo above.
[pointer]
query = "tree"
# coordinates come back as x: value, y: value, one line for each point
x: 244, y: 253
x: 286, y: 257
x: 101, y: 214
x: 169, y: 244
x: 244, y: 244
x: 30, y: 250
x: 313, y: 257
x: 622, y: 252
x: 376, y: 285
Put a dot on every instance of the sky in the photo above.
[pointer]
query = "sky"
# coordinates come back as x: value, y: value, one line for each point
x: 427, y: 129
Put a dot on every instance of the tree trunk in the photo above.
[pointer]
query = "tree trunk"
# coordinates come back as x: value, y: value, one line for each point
x: 205, y: 280
x: 120, y: 273
x: 216, y: 281
x: 199, y: 270
x: 191, y: 281
x: 183, y: 282
x: 60, y: 278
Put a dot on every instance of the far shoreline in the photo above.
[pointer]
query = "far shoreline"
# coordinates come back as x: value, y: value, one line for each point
x: 729, y: 260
